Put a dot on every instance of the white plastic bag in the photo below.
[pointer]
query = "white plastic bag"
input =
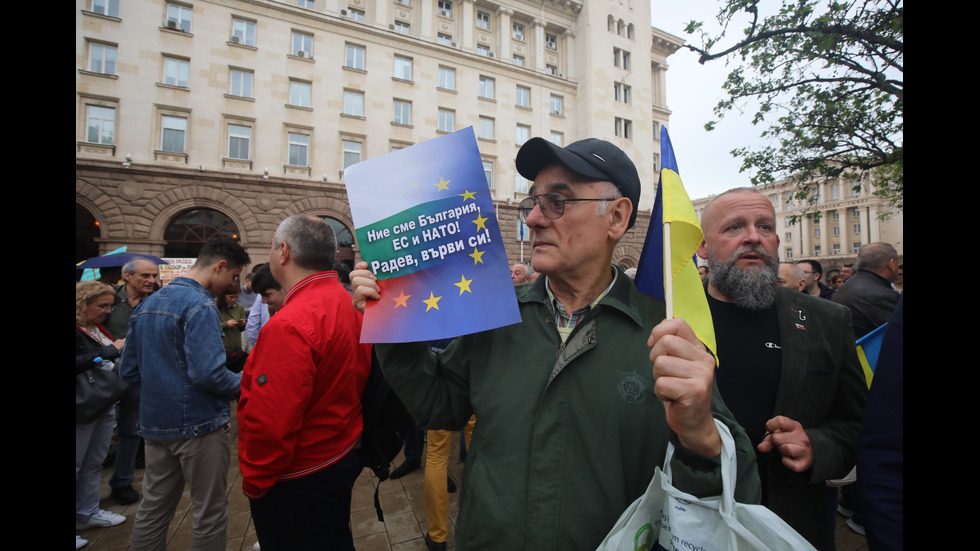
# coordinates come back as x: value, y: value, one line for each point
x: 665, y: 518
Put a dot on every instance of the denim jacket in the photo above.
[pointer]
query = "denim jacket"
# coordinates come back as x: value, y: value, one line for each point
x: 174, y: 349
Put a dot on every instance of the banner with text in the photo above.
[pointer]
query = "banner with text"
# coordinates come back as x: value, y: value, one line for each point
x: 426, y: 226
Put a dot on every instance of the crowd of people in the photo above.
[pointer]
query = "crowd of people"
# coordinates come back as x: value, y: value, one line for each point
x: 566, y: 414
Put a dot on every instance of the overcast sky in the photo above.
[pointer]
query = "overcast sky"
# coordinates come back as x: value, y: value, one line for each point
x: 703, y: 159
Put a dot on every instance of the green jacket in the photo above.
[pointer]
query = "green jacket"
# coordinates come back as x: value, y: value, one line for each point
x: 566, y: 436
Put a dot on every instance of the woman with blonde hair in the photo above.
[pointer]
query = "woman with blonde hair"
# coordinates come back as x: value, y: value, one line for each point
x: 93, y: 301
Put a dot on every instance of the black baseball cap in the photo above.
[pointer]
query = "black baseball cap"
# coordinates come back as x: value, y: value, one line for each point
x: 591, y: 158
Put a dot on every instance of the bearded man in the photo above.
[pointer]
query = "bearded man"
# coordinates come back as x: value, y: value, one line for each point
x: 788, y: 368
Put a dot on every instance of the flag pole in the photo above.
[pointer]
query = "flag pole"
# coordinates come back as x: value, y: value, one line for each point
x: 668, y: 274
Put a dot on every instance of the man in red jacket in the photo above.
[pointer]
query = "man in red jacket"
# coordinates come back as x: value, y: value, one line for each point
x: 299, y: 415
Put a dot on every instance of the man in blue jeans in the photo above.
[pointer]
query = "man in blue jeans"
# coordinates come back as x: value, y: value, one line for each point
x: 173, y: 349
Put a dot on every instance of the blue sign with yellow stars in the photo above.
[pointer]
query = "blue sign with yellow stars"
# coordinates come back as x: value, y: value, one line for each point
x: 426, y: 226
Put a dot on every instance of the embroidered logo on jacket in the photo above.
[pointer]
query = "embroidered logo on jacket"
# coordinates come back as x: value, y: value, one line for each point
x: 632, y: 387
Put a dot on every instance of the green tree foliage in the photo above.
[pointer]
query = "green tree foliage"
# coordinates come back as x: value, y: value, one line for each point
x: 827, y: 78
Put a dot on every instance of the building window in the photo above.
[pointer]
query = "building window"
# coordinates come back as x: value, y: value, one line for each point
x: 356, y: 15
x: 176, y: 72
x: 789, y: 252
x: 816, y: 232
x: 836, y: 248
x: 403, y: 112
x: 445, y: 39
x: 816, y: 250
x: 102, y: 58
x: 855, y: 212
x: 106, y: 7
x: 351, y: 153
x: 486, y: 87
x: 486, y: 128
x: 835, y: 215
x: 550, y: 41
x: 447, y: 78
x: 446, y: 8
x: 173, y: 133
x: 447, y: 120
x: 523, y: 231
x: 404, y: 2
x: 517, y: 31
x: 835, y: 192
x: 241, y: 83
x: 836, y: 230
x: 483, y: 50
x: 100, y: 122
x: 403, y: 68
x: 243, y: 32
x: 624, y: 128
x: 656, y: 163
x: 299, y: 149
x: 239, y: 139
x: 788, y: 236
x: 300, y: 93
x: 518, y: 60
x: 855, y: 247
x: 556, y: 105
x: 523, y: 96
x: 551, y: 69
x: 857, y: 228
x: 622, y: 92
x: 520, y: 183
x: 179, y: 17
x: 482, y: 20
x: 403, y: 27
x: 308, y: 4
x: 523, y: 134
x: 621, y: 58
x: 353, y: 103
x: 302, y: 45
x: 354, y: 58
x: 488, y: 172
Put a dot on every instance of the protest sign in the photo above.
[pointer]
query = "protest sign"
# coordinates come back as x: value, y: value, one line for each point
x: 426, y: 226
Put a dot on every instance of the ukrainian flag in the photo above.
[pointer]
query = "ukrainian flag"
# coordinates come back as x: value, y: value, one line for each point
x: 673, y: 206
x: 868, y: 348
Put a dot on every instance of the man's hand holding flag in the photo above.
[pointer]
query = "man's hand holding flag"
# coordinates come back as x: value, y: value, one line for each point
x: 667, y: 269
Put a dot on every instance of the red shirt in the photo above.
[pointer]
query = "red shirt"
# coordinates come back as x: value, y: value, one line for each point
x: 300, y: 406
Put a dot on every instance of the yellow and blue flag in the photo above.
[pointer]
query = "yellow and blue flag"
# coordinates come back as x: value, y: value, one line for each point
x: 868, y: 349
x: 673, y: 206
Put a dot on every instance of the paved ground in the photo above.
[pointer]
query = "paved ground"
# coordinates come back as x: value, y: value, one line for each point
x: 402, y: 500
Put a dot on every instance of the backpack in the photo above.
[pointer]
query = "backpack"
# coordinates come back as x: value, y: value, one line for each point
x: 386, y: 421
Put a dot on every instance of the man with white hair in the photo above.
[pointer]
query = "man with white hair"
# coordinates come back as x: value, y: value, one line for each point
x: 788, y: 371
x: 572, y: 419
x: 299, y: 415
x: 520, y: 273
x: 868, y: 293
x: 791, y: 276
x: 140, y: 275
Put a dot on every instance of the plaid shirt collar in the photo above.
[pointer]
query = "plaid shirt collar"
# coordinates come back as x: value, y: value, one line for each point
x: 565, y: 320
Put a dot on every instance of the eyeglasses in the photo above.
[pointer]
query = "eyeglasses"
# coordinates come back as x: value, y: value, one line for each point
x: 108, y: 308
x: 552, y: 205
